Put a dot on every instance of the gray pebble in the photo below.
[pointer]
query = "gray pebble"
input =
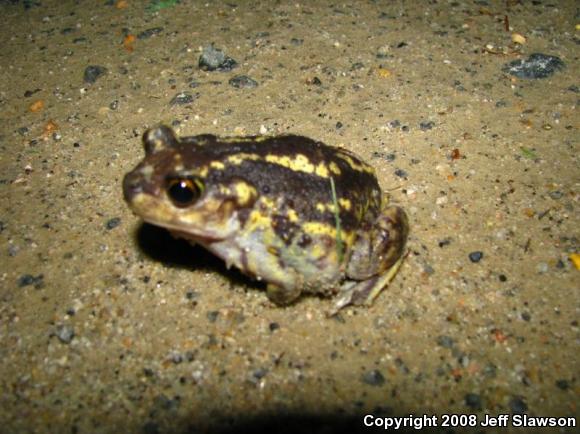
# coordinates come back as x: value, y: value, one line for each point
x: 149, y: 32
x: 29, y: 279
x: 243, y: 82
x: 445, y: 341
x: 517, y: 405
x: 93, y: 72
x: 476, y: 256
x: 65, y: 333
x: 259, y: 373
x: 473, y: 401
x: 401, y: 173
x: 426, y: 125
x: 213, y: 59
x: 212, y: 315
x: 113, y: 223
x: 537, y: 65
x: 23, y: 131
x: 183, y: 98
x: 374, y: 378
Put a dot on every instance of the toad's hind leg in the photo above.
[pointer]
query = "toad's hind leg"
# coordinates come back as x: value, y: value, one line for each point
x: 366, y: 291
x: 375, y: 259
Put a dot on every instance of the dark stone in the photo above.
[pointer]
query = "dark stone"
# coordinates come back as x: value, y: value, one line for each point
x: 93, y: 72
x: 517, y: 405
x: 445, y: 341
x: 475, y: 256
x: 113, y: 223
x: 473, y: 401
x: 149, y: 32
x: 183, y: 98
x: 401, y: 173
x: 29, y: 279
x: 243, y: 82
x: 65, y: 333
x: 374, y: 378
x: 214, y: 59
x: 537, y: 65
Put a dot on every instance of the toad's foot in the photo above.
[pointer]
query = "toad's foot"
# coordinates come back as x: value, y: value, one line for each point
x: 365, y: 292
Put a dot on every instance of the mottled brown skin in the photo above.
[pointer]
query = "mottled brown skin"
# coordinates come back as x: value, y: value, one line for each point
x: 265, y: 205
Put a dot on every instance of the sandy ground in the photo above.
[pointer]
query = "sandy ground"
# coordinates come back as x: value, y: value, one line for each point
x: 111, y: 326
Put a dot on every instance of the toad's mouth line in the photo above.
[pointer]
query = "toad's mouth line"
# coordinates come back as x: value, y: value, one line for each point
x: 204, y: 237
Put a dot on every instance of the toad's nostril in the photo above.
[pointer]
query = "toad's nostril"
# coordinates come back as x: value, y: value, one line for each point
x: 131, y: 185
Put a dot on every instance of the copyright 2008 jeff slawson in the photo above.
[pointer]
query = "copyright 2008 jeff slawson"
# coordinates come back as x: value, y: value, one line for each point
x: 467, y: 420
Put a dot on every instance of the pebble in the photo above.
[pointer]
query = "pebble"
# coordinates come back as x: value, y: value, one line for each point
x: 373, y: 378
x: 65, y: 333
x: 149, y: 32
x: 395, y: 123
x: 23, y: 131
x: 537, y: 65
x: 183, y: 98
x: 113, y: 223
x: 517, y: 405
x: 444, y: 242
x: 212, y: 315
x: 426, y: 125
x: 383, y: 52
x: 93, y: 72
x: 29, y: 279
x: 445, y: 341
x: 214, y: 59
x: 243, y: 82
x: 475, y: 256
x: 473, y: 401
x: 259, y: 373
x: 401, y: 173
x: 315, y: 81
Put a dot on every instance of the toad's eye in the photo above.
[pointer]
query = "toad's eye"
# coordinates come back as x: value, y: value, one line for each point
x: 184, y: 191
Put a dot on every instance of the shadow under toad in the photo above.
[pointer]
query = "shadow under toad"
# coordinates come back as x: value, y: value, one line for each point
x: 159, y: 245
